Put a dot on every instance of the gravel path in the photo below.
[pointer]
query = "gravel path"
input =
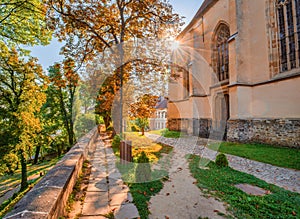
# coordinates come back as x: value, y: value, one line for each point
x: 181, y: 198
x: 283, y: 177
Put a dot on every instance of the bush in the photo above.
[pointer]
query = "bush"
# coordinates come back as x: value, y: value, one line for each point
x: 116, y: 141
x: 143, y: 170
x: 221, y: 160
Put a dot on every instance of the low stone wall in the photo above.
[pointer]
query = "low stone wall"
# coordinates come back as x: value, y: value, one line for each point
x: 281, y: 132
x: 49, y: 196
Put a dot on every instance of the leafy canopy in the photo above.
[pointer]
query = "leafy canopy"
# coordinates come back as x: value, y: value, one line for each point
x: 23, y: 22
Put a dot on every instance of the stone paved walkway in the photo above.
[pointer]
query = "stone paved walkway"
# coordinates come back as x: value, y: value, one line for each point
x: 106, y: 191
x: 286, y: 178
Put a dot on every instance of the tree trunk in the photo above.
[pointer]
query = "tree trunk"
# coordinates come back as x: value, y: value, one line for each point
x: 37, y: 153
x: 107, y: 121
x: 24, y: 183
x: 143, y: 131
x: 59, y: 150
x: 71, y: 134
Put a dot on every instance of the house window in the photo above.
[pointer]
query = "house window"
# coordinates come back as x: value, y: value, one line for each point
x: 220, y: 59
x: 288, y: 15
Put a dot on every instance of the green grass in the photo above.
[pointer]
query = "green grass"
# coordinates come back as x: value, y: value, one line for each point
x: 167, y: 133
x: 282, y: 157
x: 220, y: 182
x: 142, y: 192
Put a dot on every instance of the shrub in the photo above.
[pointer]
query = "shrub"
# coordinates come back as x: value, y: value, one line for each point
x: 116, y: 141
x: 221, y: 160
x: 143, y: 170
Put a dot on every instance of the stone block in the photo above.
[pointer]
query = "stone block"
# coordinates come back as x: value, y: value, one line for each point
x: 43, y: 200
x: 128, y: 211
x: 28, y: 215
x: 99, y: 185
x: 101, y: 198
x: 57, y: 177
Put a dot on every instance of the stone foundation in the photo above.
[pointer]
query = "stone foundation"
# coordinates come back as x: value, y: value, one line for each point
x: 196, y: 127
x: 202, y: 127
x: 281, y: 132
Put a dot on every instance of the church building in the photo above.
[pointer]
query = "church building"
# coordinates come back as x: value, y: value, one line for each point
x: 237, y: 70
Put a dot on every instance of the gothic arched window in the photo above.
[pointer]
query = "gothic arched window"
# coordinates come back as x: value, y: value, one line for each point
x: 220, y: 58
x: 288, y: 18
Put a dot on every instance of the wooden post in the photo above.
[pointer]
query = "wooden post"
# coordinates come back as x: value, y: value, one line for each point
x: 125, y: 152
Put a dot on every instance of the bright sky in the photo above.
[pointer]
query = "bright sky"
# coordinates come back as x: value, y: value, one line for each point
x: 47, y: 55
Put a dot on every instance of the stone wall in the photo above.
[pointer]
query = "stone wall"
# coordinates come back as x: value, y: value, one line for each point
x: 49, y: 196
x: 281, y: 132
x: 196, y: 127
x: 202, y: 127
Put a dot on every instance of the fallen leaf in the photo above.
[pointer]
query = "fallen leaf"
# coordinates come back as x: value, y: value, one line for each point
x: 268, y: 192
x: 145, y: 193
x: 151, y: 189
x: 294, y: 213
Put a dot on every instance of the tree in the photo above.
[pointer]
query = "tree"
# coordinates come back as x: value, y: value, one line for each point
x: 23, y: 22
x: 92, y: 27
x: 21, y: 97
x: 64, y: 81
x: 107, y: 95
x: 143, y: 109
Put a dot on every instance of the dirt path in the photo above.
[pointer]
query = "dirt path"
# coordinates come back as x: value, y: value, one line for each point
x: 181, y: 198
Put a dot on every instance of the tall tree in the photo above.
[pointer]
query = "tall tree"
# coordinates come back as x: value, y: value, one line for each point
x: 92, y: 27
x: 64, y: 81
x: 21, y: 97
x: 143, y: 109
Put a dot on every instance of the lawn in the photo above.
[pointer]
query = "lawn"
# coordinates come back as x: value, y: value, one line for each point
x: 167, y: 133
x: 219, y: 182
x: 278, y: 156
x: 141, y: 143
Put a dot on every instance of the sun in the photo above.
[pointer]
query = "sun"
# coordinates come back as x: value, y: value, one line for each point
x: 175, y: 44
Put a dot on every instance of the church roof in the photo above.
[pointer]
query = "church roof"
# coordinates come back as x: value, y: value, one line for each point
x: 204, y: 7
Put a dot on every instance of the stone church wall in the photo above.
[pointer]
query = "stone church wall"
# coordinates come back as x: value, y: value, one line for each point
x: 281, y: 132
